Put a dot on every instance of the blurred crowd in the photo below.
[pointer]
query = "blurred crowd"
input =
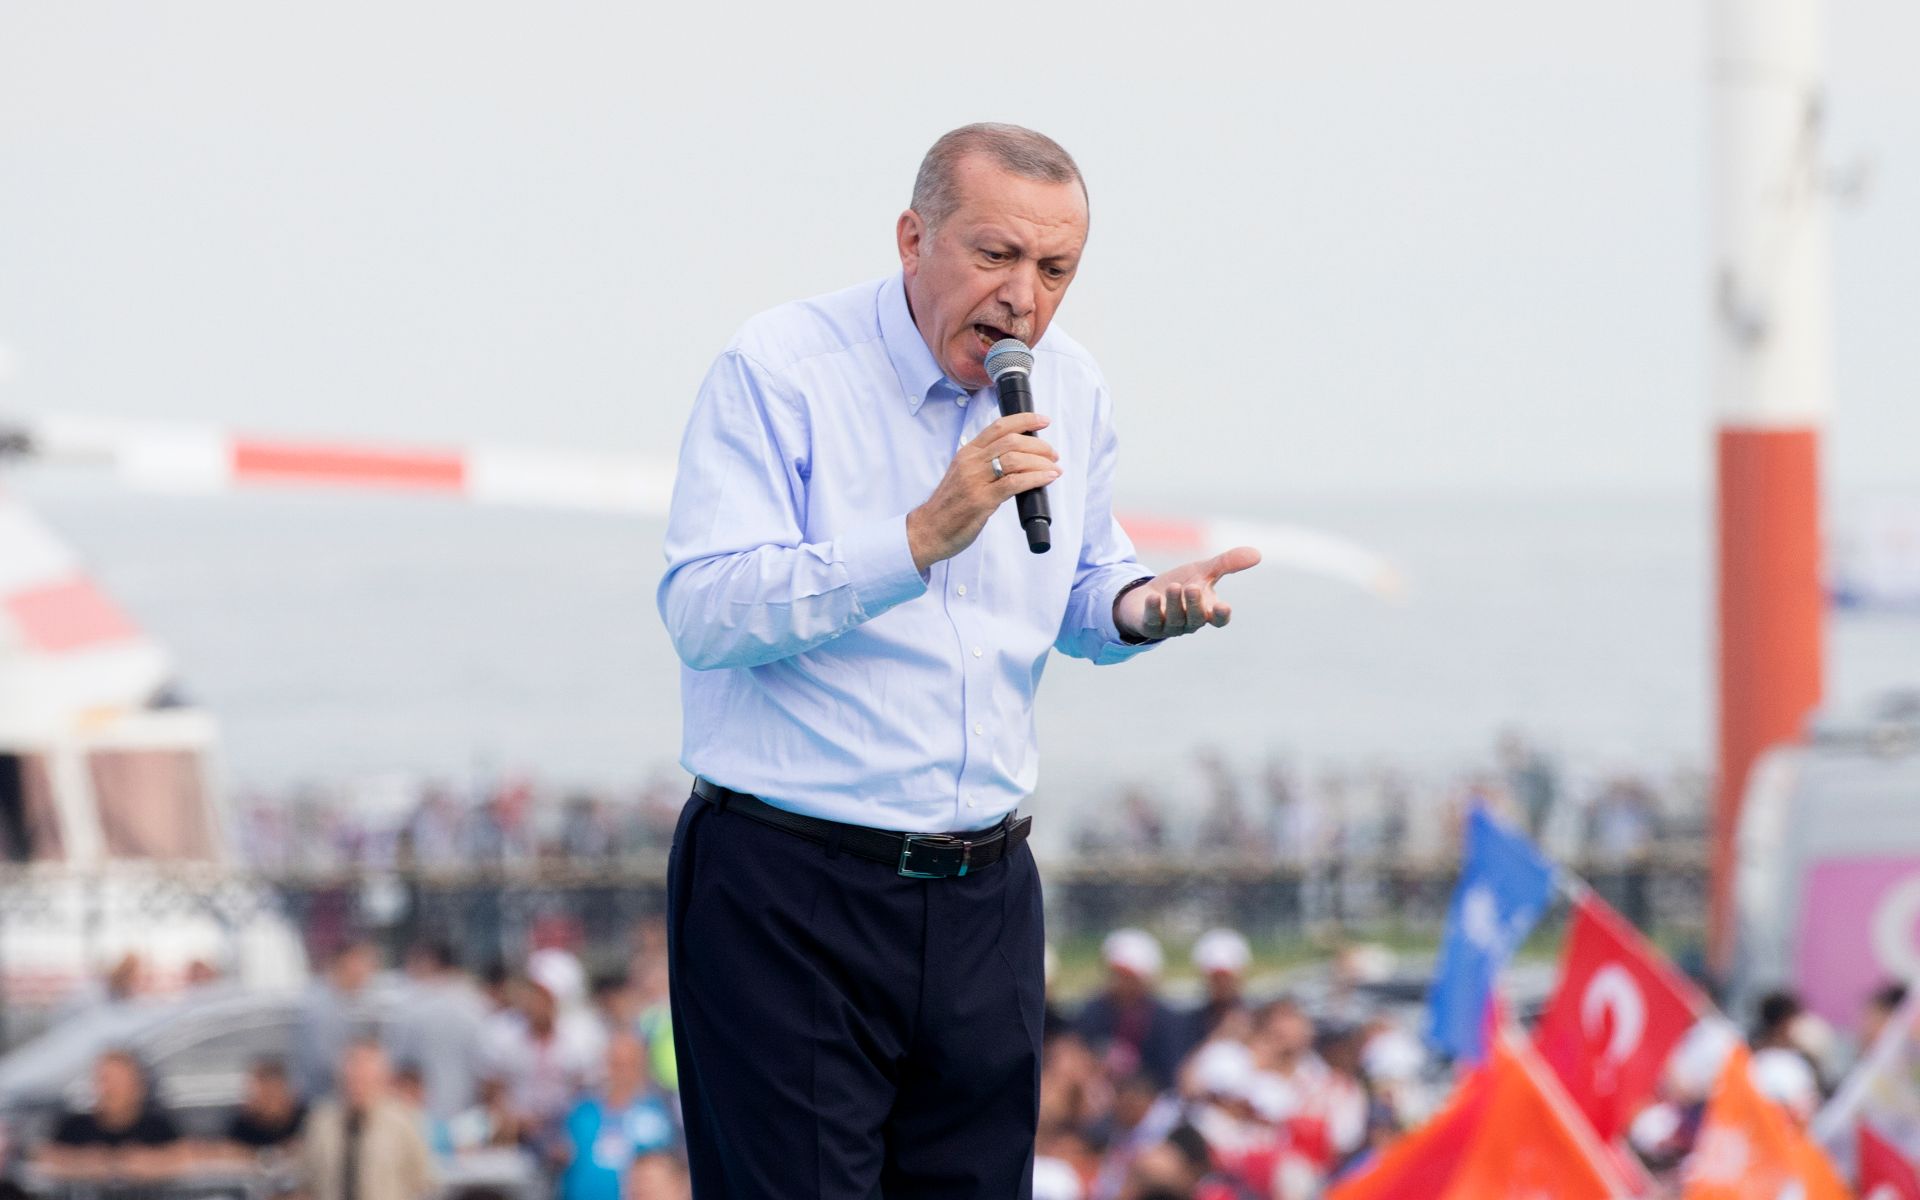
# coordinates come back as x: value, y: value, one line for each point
x: 540, y: 1081
x: 1229, y: 1098
x: 1272, y: 812
x: 547, y: 1080
x: 1279, y: 813
x: 399, y: 823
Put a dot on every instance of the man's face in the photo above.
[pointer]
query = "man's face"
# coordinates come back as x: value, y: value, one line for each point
x: 117, y: 1084
x: 997, y: 267
x: 363, y: 1076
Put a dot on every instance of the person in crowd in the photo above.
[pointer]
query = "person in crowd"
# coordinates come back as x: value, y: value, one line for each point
x: 1282, y: 1045
x: 336, y: 1010
x: 1221, y: 957
x: 438, y: 1030
x: 1128, y: 1025
x: 490, y: 1124
x: 124, y: 1134
x: 365, y: 1143
x: 410, y: 1088
x: 615, y: 1001
x: 545, y: 1059
x: 1878, y: 1010
x: 654, y: 1019
x: 271, y: 1112
x: 622, y: 1121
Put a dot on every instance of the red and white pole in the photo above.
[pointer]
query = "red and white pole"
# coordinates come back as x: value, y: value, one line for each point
x: 1773, y: 385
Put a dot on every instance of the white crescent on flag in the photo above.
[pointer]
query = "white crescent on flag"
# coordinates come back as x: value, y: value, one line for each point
x: 1612, y: 991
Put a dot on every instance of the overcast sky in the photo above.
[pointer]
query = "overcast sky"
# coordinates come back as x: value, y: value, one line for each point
x: 1363, y: 246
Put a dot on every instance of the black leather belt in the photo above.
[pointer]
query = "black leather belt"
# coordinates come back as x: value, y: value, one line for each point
x: 915, y: 855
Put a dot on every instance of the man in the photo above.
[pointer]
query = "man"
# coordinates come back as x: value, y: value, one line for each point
x: 622, y: 1121
x: 336, y: 1009
x: 547, y: 1056
x: 122, y: 1134
x: 365, y: 1144
x: 1221, y: 956
x: 439, y: 1029
x: 270, y: 1113
x: 1127, y: 1024
x: 862, y: 625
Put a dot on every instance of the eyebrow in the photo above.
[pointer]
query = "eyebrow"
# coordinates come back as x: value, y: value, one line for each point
x: 994, y: 234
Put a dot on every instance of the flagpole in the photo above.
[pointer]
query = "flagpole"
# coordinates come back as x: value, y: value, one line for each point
x: 1833, y: 1118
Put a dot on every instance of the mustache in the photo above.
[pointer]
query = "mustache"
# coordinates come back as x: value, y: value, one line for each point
x: 1018, y: 327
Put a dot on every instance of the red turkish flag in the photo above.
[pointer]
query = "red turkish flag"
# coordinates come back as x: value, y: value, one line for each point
x: 1885, y: 1173
x: 1620, y: 1011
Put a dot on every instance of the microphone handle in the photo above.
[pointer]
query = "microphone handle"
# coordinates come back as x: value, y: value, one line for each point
x: 1036, y: 516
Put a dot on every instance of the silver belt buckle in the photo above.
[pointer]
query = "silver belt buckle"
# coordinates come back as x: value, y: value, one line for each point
x: 930, y: 840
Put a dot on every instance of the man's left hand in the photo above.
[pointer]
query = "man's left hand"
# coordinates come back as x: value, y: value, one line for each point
x: 1181, y: 600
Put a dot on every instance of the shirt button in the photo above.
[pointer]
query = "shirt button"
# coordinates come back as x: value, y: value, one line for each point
x: 913, y: 399
x: 976, y: 652
x: 978, y: 727
x: 971, y: 804
x: 962, y: 589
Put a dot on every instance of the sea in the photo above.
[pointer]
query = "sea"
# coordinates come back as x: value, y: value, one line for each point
x: 348, y: 636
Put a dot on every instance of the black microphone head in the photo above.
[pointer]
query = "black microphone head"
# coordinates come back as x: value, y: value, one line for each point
x: 1008, y: 354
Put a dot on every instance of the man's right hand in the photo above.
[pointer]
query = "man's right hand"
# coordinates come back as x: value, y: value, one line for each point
x: 968, y: 493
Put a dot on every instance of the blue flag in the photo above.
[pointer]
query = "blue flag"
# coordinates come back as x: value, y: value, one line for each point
x: 1504, y: 887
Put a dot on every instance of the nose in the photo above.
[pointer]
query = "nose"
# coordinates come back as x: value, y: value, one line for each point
x: 1020, y: 289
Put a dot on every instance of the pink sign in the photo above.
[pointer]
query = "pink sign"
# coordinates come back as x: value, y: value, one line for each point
x: 1859, y: 927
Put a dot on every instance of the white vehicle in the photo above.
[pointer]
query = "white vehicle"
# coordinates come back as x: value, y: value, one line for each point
x: 1827, y: 882
x: 113, y: 840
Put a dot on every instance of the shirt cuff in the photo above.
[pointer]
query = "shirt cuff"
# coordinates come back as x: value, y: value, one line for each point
x: 1113, y: 648
x: 880, y: 566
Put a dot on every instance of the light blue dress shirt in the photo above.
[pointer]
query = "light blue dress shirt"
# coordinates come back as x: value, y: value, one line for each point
x: 822, y: 672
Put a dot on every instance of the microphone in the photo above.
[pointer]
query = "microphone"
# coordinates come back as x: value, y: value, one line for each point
x: 1009, y: 363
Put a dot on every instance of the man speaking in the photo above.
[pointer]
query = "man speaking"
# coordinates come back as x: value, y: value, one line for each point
x: 854, y: 916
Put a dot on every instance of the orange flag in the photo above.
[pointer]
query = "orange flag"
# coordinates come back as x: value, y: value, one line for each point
x: 1533, y: 1141
x: 1418, y: 1165
x: 1509, y: 1133
x: 1750, y: 1150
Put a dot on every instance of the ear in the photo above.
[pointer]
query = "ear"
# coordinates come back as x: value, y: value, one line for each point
x: 911, y: 233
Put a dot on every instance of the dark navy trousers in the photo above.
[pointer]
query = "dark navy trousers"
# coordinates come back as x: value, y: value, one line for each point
x: 844, y: 1032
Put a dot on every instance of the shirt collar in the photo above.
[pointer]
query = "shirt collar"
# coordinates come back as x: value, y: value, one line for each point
x: 913, y: 363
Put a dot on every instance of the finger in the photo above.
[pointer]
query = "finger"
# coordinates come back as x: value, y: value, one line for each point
x: 1229, y: 561
x: 1222, y: 613
x: 1155, y: 624
x: 1013, y: 461
x: 1010, y: 426
x: 1194, y: 601
x: 1176, y: 605
x: 1020, y: 443
x: 1024, y: 481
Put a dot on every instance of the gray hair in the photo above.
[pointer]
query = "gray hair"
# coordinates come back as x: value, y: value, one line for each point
x: 936, y: 193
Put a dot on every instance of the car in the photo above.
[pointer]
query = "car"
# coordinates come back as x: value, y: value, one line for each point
x: 197, y: 1047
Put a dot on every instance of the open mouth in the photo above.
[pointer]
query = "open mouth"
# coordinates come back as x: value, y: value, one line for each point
x: 989, y: 334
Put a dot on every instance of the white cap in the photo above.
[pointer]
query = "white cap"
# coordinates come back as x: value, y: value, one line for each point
x: 1223, y: 1068
x: 1697, y: 1060
x: 1221, y: 950
x: 1133, y: 950
x: 1786, y: 1078
x: 1393, y: 1055
x: 560, y: 973
x: 1055, y: 1180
